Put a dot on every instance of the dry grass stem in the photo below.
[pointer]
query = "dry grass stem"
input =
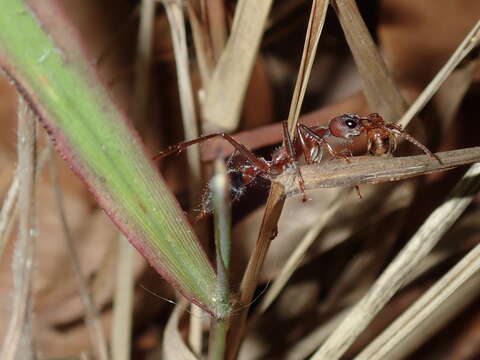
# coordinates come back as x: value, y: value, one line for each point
x: 216, y: 17
x: 314, y: 30
x: 382, y: 94
x: 451, y: 94
x: 268, y: 231
x: 203, y: 52
x: 123, y: 301
x: 9, y: 213
x: 232, y: 74
x: 18, y: 338
x: 176, y: 20
x: 428, y: 314
x: 470, y: 42
x: 397, y: 272
x: 92, y: 319
x: 174, y: 346
x: 373, y: 170
x: 143, y: 62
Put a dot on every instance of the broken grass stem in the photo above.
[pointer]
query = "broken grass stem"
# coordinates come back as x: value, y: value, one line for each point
x: 372, y: 170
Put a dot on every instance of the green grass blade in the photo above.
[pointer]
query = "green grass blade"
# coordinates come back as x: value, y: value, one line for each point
x: 93, y: 136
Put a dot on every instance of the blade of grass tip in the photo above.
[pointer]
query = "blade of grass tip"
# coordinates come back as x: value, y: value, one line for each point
x: 9, y: 211
x: 92, y: 134
x: 220, y: 188
x: 374, y: 170
x: 268, y: 231
x: 92, y: 319
x: 226, y: 90
x: 314, y: 30
x: 470, y: 42
x: 445, y: 299
x: 175, y: 15
x: 383, y: 96
x: 18, y: 338
x: 123, y: 302
x: 397, y: 272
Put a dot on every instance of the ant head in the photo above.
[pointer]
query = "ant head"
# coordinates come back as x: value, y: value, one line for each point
x: 346, y: 126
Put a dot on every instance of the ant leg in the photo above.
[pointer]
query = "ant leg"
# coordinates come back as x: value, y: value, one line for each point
x: 238, y: 147
x: 321, y: 141
x: 287, y: 142
x: 305, y: 147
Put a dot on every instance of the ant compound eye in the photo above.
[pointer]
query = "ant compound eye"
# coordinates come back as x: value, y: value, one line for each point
x: 351, y: 124
x: 345, y: 126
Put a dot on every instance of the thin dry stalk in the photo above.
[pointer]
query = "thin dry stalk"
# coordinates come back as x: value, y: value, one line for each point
x: 314, y: 30
x: 9, y: 213
x: 399, y: 269
x: 174, y: 10
x: 216, y: 18
x: 123, y: 301
x: 143, y: 64
x: 176, y: 20
x: 450, y: 95
x: 382, y: 94
x: 173, y: 345
x: 18, y: 339
x: 470, y: 42
x: 92, y: 319
x: 232, y: 74
x: 201, y: 43
x: 268, y: 231
x: 436, y: 307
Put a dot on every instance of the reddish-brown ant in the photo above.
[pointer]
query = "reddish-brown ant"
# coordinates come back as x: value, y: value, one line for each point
x: 309, y: 141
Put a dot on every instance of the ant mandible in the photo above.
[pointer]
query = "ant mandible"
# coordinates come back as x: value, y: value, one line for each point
x: 309, y: 141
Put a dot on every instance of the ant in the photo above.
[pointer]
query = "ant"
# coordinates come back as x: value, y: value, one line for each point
x: 309, y: 141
